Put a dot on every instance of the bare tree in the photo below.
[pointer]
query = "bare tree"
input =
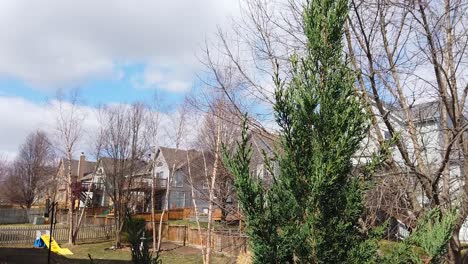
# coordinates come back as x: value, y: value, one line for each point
x: 123, y: 151
x: 178, y: 135
x: 97, y: 144
x: 192, y: 182
x: 153, y: 121
x: 28, y: 176
x: 402, y: 52
x: 219, y: 127
x: 69, y: 128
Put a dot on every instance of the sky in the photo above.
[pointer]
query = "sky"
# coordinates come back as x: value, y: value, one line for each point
x: 113, y: 51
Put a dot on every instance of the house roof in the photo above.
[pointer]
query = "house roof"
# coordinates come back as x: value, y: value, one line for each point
x: 197, y: 159
x: 88, y: 166
x: 421, y: 112
x: 174, y: 157
x: 141, y: 166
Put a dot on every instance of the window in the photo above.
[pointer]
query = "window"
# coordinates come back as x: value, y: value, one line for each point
x: 178, y: 179
x: 160, y: 175
x: 177, y: 199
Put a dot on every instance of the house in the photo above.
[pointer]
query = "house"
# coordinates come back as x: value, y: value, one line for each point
x: 79, y: 169
x: 97, y: 187
x: 141, y: 177
x: 186, y: 169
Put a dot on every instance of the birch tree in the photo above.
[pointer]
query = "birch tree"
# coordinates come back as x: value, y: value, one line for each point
x: 69, y: 128
x: 153, y: 120
x: 97, y: 142
x: 177, y: 133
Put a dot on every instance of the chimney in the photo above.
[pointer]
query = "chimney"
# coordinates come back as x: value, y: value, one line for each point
x: 81, y: 166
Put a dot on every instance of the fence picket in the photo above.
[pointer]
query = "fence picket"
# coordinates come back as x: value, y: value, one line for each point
x: 26, y: 235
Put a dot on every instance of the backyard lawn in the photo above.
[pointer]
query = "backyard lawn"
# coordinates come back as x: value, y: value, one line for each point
x: 172, y: 254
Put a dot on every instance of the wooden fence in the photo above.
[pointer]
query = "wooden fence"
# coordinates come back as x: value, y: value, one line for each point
x: 227, y: 241
x: 177, y: 214
x: 25, y: 235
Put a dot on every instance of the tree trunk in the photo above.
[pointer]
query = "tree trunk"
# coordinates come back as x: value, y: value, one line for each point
x: 195, y: 208
x: 166, y: 207
x: 454, y: 253
x: 70, y: 200
x: 211, y: 201
x: 118, y: 221
x: 153, y: 220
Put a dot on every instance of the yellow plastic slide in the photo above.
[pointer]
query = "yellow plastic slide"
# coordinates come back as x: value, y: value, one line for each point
x: 55, y: 246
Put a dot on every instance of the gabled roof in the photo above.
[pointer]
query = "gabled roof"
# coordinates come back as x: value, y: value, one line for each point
x: 88, y: 166
x: 422, y: 112
x: 174, y: 157
x: 141, y: 166
x: 181, y: 159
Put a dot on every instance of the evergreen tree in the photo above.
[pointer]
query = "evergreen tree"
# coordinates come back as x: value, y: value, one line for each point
x: 311, y: 211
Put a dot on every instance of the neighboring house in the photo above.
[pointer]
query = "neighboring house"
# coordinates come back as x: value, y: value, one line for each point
x: 179, y: 165
x: 168, y: 163
x: 98, y: 185
x: 79, y: 169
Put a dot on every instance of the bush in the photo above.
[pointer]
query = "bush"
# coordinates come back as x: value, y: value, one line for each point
x: 135, y: 233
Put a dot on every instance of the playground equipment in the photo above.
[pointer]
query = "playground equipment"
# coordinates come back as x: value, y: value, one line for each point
x: 54, y: 246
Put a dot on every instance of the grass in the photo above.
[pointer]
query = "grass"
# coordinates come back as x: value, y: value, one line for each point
x: 102, y: 256
x: 98, y: 252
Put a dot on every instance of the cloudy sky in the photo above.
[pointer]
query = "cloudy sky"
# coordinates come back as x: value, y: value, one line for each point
x: 112, y: 50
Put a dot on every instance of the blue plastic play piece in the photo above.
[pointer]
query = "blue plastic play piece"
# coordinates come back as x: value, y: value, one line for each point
x: 38, y: 243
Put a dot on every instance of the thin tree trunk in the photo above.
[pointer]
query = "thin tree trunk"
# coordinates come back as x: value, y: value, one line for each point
x: 83, y: 212
x: 70, y: 200
x: 166, y: 207
x: 153, y: 217
x: 195, y: 208
x: 153, y: 220
x: 211, y: 201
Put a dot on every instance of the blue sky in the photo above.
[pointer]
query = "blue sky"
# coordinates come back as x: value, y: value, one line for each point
x: 126, y: 88
x: 113, y: 51
x: 96, y: 91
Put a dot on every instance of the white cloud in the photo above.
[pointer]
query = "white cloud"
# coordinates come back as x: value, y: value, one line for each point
x: 53, y: 43
x: 168, y: 79
x: 20, y: 117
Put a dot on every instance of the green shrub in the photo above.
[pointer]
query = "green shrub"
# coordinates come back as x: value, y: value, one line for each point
x: 135, y: 234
